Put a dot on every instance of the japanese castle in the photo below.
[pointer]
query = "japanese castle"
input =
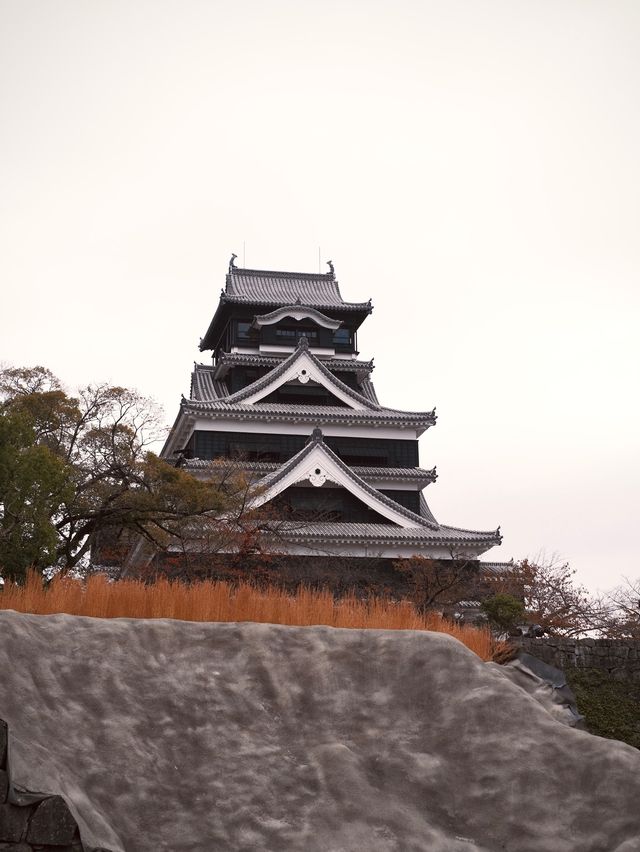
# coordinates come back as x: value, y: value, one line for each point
x: 288, y: 399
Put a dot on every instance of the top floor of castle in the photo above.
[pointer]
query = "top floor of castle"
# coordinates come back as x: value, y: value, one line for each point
x: 267, y: 312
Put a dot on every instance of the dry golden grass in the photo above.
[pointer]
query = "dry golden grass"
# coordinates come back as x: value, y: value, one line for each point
x: 220, y: 601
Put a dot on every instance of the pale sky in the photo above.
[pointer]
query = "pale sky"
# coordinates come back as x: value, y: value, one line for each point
x: 473, y: 167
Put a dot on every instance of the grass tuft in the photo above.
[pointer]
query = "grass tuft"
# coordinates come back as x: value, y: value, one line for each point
x: 214, y: 600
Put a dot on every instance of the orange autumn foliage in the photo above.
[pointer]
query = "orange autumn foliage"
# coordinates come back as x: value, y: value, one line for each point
x: 210, y: 600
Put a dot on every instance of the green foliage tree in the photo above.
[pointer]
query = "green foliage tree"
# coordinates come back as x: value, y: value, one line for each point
x: 552, y: 597
x: 504, y: 612
x: 34, y: 482
x: 77, y: 469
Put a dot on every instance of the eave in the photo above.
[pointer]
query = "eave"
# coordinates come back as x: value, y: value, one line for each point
x: 315, y: 414
x: 351, y: 533
x: 226, y: 360
x: 416, y: 476
x: 353, y: 313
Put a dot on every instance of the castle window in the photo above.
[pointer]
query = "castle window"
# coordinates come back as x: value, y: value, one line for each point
x: 342, y: 337
x: 243, y: 330
x: 295, y: 333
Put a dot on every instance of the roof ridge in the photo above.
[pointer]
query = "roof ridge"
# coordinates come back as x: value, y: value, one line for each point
x: 288, y: 407
x: 495, y: 533
x: 278, y: 358
x: 277, y: 273
x: 355, y: 531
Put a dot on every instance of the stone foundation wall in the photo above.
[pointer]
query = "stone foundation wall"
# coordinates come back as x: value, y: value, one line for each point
x: 618, y: 657
x: 39, y: 823
x: 341, y: 575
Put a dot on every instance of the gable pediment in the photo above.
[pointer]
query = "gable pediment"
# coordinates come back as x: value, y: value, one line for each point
x: 317, y: 465
x: 302, y: 367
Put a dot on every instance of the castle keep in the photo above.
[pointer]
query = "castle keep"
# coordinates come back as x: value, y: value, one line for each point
x: 288, y: 398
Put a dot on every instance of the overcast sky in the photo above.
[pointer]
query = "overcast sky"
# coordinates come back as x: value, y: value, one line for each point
x: 473, y: 167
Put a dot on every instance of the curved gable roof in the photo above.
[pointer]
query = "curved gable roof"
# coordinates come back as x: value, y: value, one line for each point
x: 318, y: 463
x: 303, y: 365
x: 267, y: 287
x: 297, y: 312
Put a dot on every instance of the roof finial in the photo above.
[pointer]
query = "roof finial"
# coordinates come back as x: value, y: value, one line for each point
x: 316, y: 435
x: 232, y: 262
x: 303, y: 343
x: 330, y: 265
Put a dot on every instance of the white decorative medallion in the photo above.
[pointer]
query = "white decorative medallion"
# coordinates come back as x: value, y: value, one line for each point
x: 317, y: 477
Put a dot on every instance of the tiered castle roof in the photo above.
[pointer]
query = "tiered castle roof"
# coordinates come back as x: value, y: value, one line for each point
x: 268, y: 288
x: 252, y: 382
x: 210, y: 397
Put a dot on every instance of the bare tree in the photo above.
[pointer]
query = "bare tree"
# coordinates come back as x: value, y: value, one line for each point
x: 552, y: 597
x: 621, y: 611
x: 438, y: 582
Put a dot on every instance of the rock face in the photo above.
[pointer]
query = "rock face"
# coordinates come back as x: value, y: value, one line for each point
x: 29, y: 821
x: 167, y: 735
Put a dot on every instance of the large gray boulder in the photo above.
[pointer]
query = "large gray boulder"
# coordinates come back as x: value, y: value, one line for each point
x: 169, y: 735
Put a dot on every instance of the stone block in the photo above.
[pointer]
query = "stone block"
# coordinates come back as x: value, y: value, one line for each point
x: 13, y: 822
x: 4, y: 739
x: 15, y: 847
x: 4, y: 786
x: 52, y: 823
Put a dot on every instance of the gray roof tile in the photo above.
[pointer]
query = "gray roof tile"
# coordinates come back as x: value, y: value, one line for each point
x: 204, y: 386
x: 497, y: 568
x: 332, y: 532
x: 243, y: 359
x: 267, y: 287
x: 409, y: 474
x: 269, y: 411
x: 369, y: 391
x: 425, y: 511
x: 210, y: 396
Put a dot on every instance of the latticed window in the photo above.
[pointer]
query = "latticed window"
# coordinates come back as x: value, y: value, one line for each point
x: 367, y: 452
x: 295, y: 333
x: 342, y: 337
x: 244, y: 330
